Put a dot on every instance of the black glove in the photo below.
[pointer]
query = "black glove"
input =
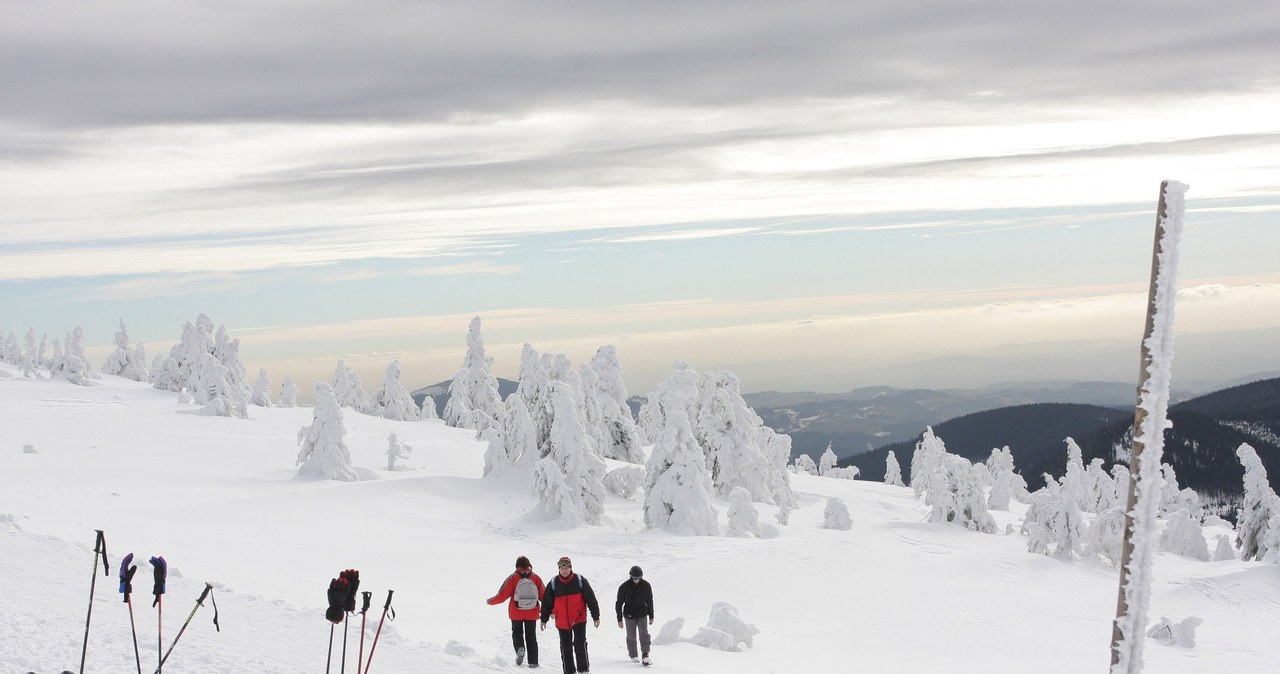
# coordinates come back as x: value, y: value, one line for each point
x: 353, y: 586
x: 126, y: 576
x: 337, y: 600
x: 159, y: 569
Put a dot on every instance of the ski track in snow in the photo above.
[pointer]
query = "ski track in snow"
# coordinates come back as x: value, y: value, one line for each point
x: 217, y: 498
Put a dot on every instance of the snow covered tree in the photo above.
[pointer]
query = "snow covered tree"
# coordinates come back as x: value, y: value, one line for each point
x: 1101, y: 487
x: 927, y: 457
x: 804, y: 464
x: 1223, y: 552
x: 392, y: 399
x: 428, y: 409
x: 323, y: 452
x: 954, y: 493
x: 1257, y: 508
x: 74, y: 362
x: 347, y: 389
x: 30, y: 360
x: 396, y: 450
x: 590, y: 411
x: 678, y: 487
x: 474, y: 388
x: 532, y: 382
x: 727, y: 430
x: 518, y: 434
x: 892, y: 472
x: 497, y: 459
x: 576, y: 495
x: 210, y: 387
x: 261, y: 394
x: 1184, y: 536
x: 827, y: 461
x: 836, y: 515
x: 626, y: 481
x: 1054, y: 522
x: 126, y: 362
x: 165, y: 375
x: 777, y: 450
x: 227, y: 351
x: 288, y: 392
x: 744, y: 519
x: 10, y: 352
x: 196, y: 341
x: 620, y: 429
x: 1105, y: 536
x: 680, y: 389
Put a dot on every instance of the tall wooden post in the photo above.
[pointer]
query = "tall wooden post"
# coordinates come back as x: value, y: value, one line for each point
x: 1135, y: 455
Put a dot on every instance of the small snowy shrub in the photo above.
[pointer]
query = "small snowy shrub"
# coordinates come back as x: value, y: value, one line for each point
x: 836, y: 516
x: 1183, y: 536
x: 1182, y: 634
x: 724, y: 617
x: 669, y: 633
x: 744, y: 519
x: 892, y: 471
x: 626, y: 481
x: 804, y: 464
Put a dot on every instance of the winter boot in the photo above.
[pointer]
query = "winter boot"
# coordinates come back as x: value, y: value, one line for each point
x: 520, y: 656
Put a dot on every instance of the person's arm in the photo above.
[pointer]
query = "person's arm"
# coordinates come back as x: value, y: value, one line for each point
x: 649, y: 589
x: 548, y: 603
x: 504, y: 592
x: 592, y: 605
x: 617, y: 605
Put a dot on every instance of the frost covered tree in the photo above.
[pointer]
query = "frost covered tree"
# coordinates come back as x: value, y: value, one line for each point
x: 1054, y: 523
x: 1006, y: 485
x: 954, y: 493
x: 347, y: 389
x: 288, y: 392
x: 679, y: 390
x: 626, y: 481
x: 428, y: 409
x: 836, y: 515
x: 677, y: 484
x: 323, y: 451
x: 396, y: 450
x: 744, y: 519
x: 211, y: 388
x: 474, y: 389
x: 518, y: 433
x: 29, y: 363
x: 165, y: 375
x: 392, y: 399
x: 1184, y: 536
x: 196, y: 341
x: 804, y: 464
x: 74, y: 362
x: 727, y: 430
x: 1223, y: 552
x: 827, y: 461
x: 1101, y: 487
x: 1258, y: 507
x: 533, y: 378
x: 261, y: 394
x: 620, y: 429
x: 1105, y: 536
x: 568, y: 481
x: 777, y: 450
x: 927, y: 457
x: 497, y: 458
x: 590, y: 411
x: 892, y: 472
x: 124, y: 361
x: 10, y: 352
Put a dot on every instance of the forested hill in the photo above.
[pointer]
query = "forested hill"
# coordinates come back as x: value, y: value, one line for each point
x: 1200, y: 445
x: 1028, y: 431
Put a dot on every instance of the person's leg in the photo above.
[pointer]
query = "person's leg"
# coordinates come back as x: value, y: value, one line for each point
x: 580, y: 646
x: 531, y: 640
x: 517, y: 635
x: 643, y: 624
x: 631, y: 638
x: 566, y: 651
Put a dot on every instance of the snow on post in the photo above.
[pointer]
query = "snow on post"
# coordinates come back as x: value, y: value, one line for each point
x: 1148, y: 443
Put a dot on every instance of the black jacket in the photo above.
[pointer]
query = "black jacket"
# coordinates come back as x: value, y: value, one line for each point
x: 635, y: 600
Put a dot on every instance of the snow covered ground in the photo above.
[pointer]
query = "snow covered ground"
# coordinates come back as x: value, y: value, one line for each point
x: 217, y: 498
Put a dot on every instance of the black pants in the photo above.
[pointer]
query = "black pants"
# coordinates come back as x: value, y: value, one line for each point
x: 524, y: 634
x: 573, y: 643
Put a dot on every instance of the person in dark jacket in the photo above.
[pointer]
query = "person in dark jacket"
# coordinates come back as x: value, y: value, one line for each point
x: 635, y: 608
x: 524, y: 638
x: 569, y: 596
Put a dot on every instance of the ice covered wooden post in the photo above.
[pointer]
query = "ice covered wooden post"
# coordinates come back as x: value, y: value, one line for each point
x: 1150, y: 421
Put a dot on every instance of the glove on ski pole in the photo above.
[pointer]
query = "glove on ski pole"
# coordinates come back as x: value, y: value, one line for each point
x: 127, y: 569
x: 160, y: 571
x: 349, y: 606
x: 337, y: 600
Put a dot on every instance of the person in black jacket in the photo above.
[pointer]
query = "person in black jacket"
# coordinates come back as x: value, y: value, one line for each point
x: 634, y: 605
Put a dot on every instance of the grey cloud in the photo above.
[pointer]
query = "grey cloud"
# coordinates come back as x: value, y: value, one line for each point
x: 76, y: 64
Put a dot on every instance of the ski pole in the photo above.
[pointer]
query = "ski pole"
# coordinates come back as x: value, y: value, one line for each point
x: 99, y: 548
x: 199, y: 602
x: 159, y: 571
x: 352, y: 577
x: 126, y: 588
x: 386, y: 607
x: 328, y: 658
x: 365, y: 597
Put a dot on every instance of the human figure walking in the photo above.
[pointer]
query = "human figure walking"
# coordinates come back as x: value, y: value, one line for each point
x: 635, y: 609
x: 569, y: 596
x: 523, y: 589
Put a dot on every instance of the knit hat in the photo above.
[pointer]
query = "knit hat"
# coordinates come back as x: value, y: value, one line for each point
x: 637, y: 572
x: 522, y: 562
x: 564, y: 561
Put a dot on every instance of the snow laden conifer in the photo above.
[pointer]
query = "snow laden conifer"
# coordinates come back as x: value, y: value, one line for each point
x: 474, y: 401
x: 211, y: 388
x: 677, y: 485
x: 927, y: 457
x: 392, y: 399
x: 396, y: 450
x: 288, y: 392
x: 567, y: 481
x: 744, y: 519
x: 347, y: 389
x: 777, y: 450
x: 620, y: 428
x: 892, y: 471
x: 1183, y: 536
x: 803, y: 463
x: 1006, y: 485
x: 29, y: 363
x: 728, y: 432
x: 827, y: 461
x: 124, y: 361
x: 73, y: 363
x: 323, y: 451
x: 227, y: 351
x: 1054, y: 523
x: 590, y: 411
x: 518, y: 433
x: 954, y: 493
x: 836, y: 515
x: 531, y: 389
x: 497, y: 462
x: 1258, y: 509
x: 261, y: 394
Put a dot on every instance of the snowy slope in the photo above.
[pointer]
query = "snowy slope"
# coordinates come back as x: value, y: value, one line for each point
x: 216, y: 497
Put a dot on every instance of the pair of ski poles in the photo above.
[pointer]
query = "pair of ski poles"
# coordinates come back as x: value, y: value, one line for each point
x: 126, y: 588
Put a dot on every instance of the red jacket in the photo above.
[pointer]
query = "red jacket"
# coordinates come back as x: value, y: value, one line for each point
x: 508, y: 592
x: 569, y: 599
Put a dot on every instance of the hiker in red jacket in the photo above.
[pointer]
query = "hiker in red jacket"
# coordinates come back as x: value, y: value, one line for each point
x: 569, y: 596
x: 522, y: 588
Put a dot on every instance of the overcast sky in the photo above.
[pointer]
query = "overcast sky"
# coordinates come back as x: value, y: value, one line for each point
x: 815, y: 195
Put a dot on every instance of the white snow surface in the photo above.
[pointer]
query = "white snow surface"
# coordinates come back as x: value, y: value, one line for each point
x: 216, y: 497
